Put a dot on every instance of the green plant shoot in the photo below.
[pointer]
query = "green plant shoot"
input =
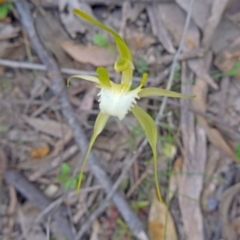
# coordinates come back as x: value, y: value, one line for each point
x: 65, y: 177
x: 117, y: 99
x: 5, y: 8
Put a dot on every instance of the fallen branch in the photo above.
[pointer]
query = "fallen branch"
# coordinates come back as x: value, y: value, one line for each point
x: 59, y: 89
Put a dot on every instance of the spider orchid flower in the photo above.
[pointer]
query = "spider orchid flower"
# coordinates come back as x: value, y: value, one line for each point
x: 116, y: 99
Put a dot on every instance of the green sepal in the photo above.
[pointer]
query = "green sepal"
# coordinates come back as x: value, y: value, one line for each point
x: 100, y: 123
x: 150, y: 129
x: 152, y: 92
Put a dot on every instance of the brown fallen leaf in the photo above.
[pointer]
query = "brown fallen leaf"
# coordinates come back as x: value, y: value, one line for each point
x: 175, y: 25
x: 137, y: 40
x: 49, y: 127
x: 159, y: 29
x: 97, y: 56
x: 200, y: 10
x: 160, y: 222
x: 96, y: 229
x: 40, y: 152
x: 48, y: 27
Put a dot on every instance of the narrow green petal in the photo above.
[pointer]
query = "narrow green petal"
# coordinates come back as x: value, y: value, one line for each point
x: 103, y: 77
x: 150, y: 92
x: 122, y: 47
x: 84, y: 77
x: 100, y: 123
x: 150, y: 130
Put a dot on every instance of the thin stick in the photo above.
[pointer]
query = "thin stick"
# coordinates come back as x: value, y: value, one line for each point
x: 67, y: 71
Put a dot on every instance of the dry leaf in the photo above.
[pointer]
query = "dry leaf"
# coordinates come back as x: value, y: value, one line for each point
x: 97, y: 56
x: 137, y: 40
x: 40, y: 152
x: 49, y: 127
x: 200, y: 10
x: 96, y: 228
x: 159, y: 29
x: 175, y: 25
x: 48, y: 28
x: 157, y: 224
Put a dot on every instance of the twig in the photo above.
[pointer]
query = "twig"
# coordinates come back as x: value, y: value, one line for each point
x: 33, y: 194
x: 67, y: 71
x: 58, y: 88
x: 173, y: 67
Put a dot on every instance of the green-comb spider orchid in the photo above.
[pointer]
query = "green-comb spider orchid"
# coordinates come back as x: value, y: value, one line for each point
x: 116, y: 99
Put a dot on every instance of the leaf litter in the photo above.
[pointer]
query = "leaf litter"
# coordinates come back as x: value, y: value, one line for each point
x: 203, y: 181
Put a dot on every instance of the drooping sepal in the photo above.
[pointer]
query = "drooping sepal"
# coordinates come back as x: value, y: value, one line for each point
x: 150, y: 129
x: 98, y: 127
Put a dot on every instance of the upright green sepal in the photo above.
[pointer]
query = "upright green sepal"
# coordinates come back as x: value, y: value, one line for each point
x: 122, y: 46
